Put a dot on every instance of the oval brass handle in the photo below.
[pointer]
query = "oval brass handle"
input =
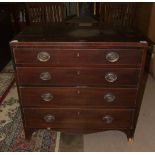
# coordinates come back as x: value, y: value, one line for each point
x: 112, y: 56
x: 49, y: 118
x: 47, y: 97
x: 45, y: 76
x: 108, y: 119
x: 43, y: 56
x: 109, y: 97
x: 111, y: 77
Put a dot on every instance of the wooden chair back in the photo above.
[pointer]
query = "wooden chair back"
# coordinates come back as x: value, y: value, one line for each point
x: 45, y: 13
x: 118, y: 14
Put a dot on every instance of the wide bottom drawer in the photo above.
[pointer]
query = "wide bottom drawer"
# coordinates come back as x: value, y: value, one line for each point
x: 78, y: 118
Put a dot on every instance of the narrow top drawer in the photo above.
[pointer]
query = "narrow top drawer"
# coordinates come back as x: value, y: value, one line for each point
x: 56, y: 57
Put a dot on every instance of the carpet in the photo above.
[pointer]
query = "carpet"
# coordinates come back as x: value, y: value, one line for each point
x: 6, y: 79
x: 12, y: 137
x: 8, y: 68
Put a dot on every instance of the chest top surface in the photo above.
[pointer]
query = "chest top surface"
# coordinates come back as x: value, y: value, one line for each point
x: 67, y: 33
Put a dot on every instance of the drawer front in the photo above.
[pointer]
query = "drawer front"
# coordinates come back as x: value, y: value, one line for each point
x: 77, y: 97
x: 45, y: 56
x: 90, y: 119
x: 77, y: 76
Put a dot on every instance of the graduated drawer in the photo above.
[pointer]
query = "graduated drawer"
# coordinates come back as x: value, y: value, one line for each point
x: 77, y: 97
x: 68, y: 76
x: 78, y: 118
x: 47, y: 56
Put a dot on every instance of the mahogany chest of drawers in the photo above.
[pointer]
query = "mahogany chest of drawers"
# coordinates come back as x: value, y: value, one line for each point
x: 76, y: 83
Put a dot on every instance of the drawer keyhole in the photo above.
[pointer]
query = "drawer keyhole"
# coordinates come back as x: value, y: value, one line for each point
x: 78, y: 92
x: 78, y: 72
x: 78, y: 55
x: 78, y: 113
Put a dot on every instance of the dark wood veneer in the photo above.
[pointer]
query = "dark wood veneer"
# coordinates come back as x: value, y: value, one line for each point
x: 77, y: 57
x: 78, y: 97
x: 78, y: 86
x: 77, y: 76
x: 78, y: 118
